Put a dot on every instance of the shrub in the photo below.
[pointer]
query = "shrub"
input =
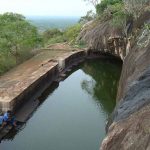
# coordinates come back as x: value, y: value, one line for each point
x: 56, y: 39
x: 17, y: 38
x: 88, y: 17
x: 104, y: 5
x: 136, y: 7
x: 51, y: 34
x: 6, y: 63
x: 72, y: 32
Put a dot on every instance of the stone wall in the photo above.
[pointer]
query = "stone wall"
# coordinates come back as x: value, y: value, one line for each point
x: 15, y: 95
x: 38, y: 82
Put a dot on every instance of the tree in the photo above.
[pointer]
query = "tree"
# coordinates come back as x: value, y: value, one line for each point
x: 89, y: 16
x: 120, y: 18
x: 17, y: 36
x: 71, y: 33
x: 93, y: 2
x: 51, y: 34
x: 101, y: 7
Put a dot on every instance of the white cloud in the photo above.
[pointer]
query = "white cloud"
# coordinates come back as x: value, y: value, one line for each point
x: 45, y: 7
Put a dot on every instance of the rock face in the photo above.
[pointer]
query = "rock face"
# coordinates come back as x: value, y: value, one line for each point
x: 132, y: 133
x: 129, y: 125
x: 130, y: 128
x: 103, y: 37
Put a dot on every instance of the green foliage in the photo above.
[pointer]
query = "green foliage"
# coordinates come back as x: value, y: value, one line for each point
x: 147, y: 26
x: 6, y: 63
x: 119, y: 17
x: 93, y: 2
x: 69, y: 35
x: 88, y: 17
x: 72, y: 32
x: 17, y: 39
x: 56, y: 39
x: 51, y: 34
x: 105, y: 4
x: 101, y: 7
x: 114, y: 11
x: 80, y: 44
x: 132, y: 7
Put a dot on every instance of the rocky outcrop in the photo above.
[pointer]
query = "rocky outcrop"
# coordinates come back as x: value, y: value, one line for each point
x: 129, y: 126
x: 132, y: 133
x: 103, y: 37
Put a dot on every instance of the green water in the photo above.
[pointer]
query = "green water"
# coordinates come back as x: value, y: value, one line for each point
x: 73, y: 116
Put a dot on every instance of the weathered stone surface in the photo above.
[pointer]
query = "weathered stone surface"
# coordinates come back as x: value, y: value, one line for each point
x: 132, y: 133
x: 130, y: 122
x: 19, y: 83
x: 95, y: 34
x: 129, y: 125
x: 137, y: 96
x: 103, y: 36
x: 134, y: 89
x: 13, y: 83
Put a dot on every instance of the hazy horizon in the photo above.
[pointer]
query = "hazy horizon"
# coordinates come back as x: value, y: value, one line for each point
x: 63, y: 8
x: 50, y: 22
x: 54, y: 16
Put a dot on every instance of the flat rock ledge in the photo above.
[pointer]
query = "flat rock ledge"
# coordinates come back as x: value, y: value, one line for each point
x: 20, y: 83
x: 35, y: 75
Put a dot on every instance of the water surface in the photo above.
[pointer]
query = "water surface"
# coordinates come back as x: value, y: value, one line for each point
x: 73, y: 115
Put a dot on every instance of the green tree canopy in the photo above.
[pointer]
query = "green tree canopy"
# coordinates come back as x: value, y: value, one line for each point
x: 90, y: 15
x: 17, y: 38
x: 104, y: 5
x: 93, y: 2
x: 17, y: 35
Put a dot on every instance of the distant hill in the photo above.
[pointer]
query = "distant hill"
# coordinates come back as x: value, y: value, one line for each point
x: 46, y: 22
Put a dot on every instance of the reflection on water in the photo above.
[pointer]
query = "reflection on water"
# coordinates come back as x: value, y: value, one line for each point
x: 103, y: 87
x: 69, y: 115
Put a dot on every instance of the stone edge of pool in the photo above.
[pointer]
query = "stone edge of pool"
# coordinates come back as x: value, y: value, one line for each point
x: 14, y: 95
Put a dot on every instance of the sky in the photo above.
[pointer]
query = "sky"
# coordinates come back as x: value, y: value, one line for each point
x: 46, y: 7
